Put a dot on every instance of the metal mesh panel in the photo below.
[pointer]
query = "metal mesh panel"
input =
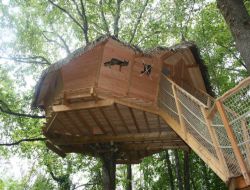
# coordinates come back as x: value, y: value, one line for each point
x: 236, y: 104
x: 195, y: 122
x: 225, y: 145
x: 200, y: 95
x: 237, y: 108
x: 166, y: 99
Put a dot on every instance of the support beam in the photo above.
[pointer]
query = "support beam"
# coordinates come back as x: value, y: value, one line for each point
x: 108, y: 121
x: 55, y: 149
x: 129, y: 177
x: 108, y: 170
x: 69, y: 139
x: 83, y: 105
x: 134, y: 119
x: 121, y: 117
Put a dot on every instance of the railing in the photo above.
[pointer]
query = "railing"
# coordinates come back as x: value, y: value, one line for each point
x: 221, y: 126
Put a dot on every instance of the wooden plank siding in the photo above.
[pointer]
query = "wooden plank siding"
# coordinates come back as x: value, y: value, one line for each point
x: 81, y: 71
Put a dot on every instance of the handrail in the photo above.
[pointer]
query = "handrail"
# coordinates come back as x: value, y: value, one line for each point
x: 187, y: 93
x: 242, y: 84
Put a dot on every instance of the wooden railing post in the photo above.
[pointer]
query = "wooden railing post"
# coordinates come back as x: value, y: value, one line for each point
x: 215, y: 141
x: 179, y: 110
x: 246, y: 137
x: 233, y: 142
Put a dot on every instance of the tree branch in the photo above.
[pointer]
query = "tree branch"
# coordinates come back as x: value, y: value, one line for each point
x: 138, y: 21
x: 67, y: 13
x: 233, y: 54
x: 64, y: 46
x: 117, y: 17
x: 5, y: 109
x: 104, y: 18
x: 23, y: 140
x: 29, y: 59
x: 85, y: 23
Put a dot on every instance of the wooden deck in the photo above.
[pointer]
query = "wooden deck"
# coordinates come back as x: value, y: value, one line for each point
x: 92, y: 124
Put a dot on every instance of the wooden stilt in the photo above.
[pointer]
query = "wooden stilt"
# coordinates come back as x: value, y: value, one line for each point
x: 108, y: 170
x: 129, y: 177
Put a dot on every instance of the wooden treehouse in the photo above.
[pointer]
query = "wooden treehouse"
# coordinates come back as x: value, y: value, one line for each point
x: 114, y: 101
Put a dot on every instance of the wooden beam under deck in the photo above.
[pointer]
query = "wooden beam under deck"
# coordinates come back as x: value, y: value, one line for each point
x: 83, y: 105
x: 67, y: 139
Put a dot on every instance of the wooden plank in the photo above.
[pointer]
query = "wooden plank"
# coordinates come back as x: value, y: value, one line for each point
x: 134, y: 119
x: 83, y: 105
x: 55, y: 149
x: 238, y: 183
x: 51, y: 123
x: 98, y: 123
x: 215, y: 141
x: 201, y: 151
x: 146, y: 121
x: 159, y: 122
x: 74, y: 125
x: 67, y: 139
x: 108, y: 121
x: 233, y: 141
x: 84, y: 122
x: 121, y: 117
x: 150, y: 146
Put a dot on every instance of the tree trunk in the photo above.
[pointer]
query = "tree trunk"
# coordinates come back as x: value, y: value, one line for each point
x: 108, y: 171
x: 178, y: 170
x: 129, y: 177
x: 170, y: 171
x: 186, y: 171
x: 238, y: 20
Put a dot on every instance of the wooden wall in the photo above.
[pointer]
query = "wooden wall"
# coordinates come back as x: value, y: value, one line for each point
x: 112, y: 78
x: 129, y: 81
x: 81, y: 72
x: 143, y: 86
x: 184, y: 69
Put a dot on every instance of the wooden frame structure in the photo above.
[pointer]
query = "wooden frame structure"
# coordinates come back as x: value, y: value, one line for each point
x: 113, y: 99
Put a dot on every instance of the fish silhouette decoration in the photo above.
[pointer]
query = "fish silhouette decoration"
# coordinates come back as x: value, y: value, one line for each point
x: 115, y: 61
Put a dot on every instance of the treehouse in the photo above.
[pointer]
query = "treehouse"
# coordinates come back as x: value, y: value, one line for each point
x: 117, y: 102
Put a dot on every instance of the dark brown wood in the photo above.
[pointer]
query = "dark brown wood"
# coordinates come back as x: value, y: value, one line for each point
x: 98, y: 123
x: 80, y: 117
x: 146, y: 120
x: 134, y: 119
x: 108, y: 170
x: 238, y: 19
x: 129, y: 177
x: 55, y: 149
x: 70, y: 139
x: 108, y: 121
x: 121, y: 117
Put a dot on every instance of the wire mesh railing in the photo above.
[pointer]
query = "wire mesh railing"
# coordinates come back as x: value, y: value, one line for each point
x: 197, y: 112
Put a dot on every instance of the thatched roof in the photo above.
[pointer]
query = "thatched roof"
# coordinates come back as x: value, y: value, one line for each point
x: 103, y: 39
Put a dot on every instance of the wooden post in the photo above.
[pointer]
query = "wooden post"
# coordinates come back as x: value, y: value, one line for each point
x: 129, y: 177
x: 179, y: 110
x: 108, y: 170
x: 233, y: 142
x: 215, y: 142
